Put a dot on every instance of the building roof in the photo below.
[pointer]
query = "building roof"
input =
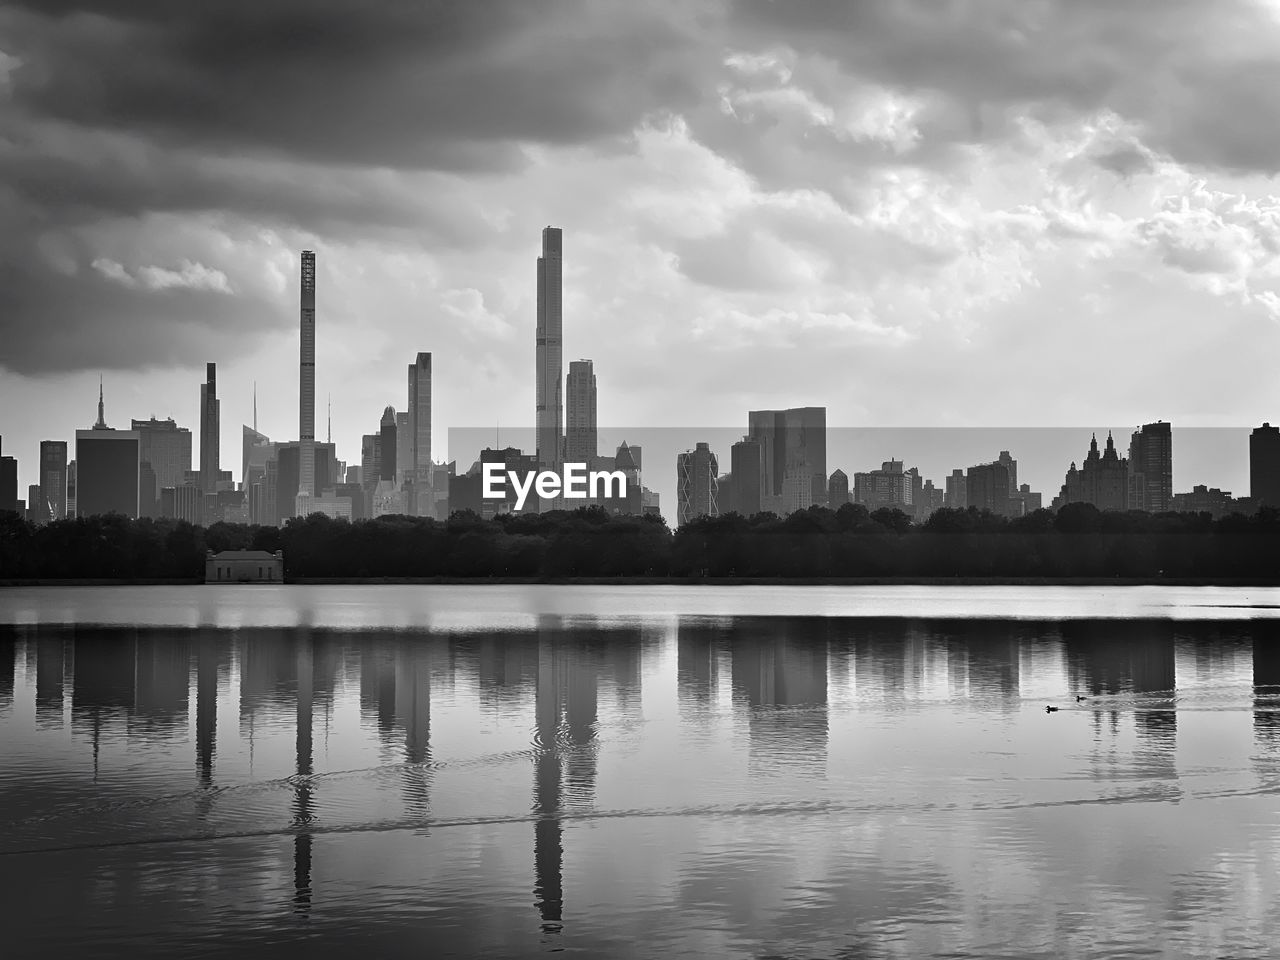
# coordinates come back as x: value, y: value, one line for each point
x: 245, y: 555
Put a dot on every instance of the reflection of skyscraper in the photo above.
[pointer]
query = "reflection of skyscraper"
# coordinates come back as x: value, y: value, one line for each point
x: 771, y: 671
x: 1120, y: 656
x: 8, y: 663
x: 206, y: 705
x: 565, y: 713
x: 696, y: 660
x: 162, y: 668
x: 302, y: 791
x: 1266, y: 678
x: 50, y: 669
x: 992, y: 663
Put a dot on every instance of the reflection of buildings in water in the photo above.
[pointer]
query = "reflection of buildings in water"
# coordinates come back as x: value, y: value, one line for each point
x: 162, y: 665
x: 783, y: 665
x: 304, y: 670
x: 565, y: 711
x: 378, y: 685
x: 8, y: 663
x: 1266, y: 680
x: 880, y: 660
x: 697, y: 644
x: 622, y: 665
x: 209, y: 654
x: 506, y: 669
x: 51, y: 668
x: 992, y: 654
x: 1110, y: 657
x: 413, y: 661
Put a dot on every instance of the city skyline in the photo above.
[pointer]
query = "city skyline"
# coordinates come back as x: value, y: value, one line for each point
x: 757, y: 217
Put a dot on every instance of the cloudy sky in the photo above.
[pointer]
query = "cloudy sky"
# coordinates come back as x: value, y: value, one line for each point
x: 915, y: 212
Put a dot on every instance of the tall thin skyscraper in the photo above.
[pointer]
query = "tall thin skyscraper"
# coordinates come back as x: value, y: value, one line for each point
x: 419, y: 466
x: 580, y: 427
x: 307, y: 385
x: 550, y: 350
x: 210, y: 427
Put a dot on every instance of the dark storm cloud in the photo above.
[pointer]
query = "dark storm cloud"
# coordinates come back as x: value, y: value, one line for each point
x: 326, y: 117
x: 385, y: 82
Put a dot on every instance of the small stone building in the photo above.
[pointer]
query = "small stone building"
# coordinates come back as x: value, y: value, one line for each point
x: 244, y: 566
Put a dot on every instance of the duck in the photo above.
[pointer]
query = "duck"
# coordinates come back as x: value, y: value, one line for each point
x: 1080, y: 698
x: 1050, y: 709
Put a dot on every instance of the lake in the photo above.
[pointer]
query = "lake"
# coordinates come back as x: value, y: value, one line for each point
x: 656, y: 771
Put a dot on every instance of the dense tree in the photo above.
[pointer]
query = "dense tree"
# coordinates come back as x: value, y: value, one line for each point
x: 1077, y: 541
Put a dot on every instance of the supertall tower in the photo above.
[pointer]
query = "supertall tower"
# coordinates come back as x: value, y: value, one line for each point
x: 419, y: 465
x: 550, y: 350
x: 210, y: 427
x: 580, y: 424
x: 307, y: 386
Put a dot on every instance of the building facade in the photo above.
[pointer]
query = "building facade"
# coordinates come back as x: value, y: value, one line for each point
x: 1151, y: 468
x: 53, y: 477
x: 1264, y: 465
x: 1102, y: 479
x: 549, y: 350
x: 793, y: 457
x: 696, y: 486
x: 580, y: 412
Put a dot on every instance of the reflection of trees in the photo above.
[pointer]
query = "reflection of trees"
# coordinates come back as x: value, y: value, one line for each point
x: 1108, y: 657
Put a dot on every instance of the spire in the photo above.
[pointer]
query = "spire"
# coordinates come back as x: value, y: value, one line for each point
x: 255, y: 406
x: 102, y: 423
x: 329, y: 427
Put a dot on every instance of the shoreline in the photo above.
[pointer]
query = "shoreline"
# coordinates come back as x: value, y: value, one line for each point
x: 681, y: 581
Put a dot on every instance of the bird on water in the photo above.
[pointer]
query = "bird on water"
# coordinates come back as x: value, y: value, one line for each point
x: 1080, y: 698
x: 1050, y: 709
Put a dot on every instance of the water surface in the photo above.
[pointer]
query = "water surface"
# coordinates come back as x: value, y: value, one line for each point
x: 640, y: 772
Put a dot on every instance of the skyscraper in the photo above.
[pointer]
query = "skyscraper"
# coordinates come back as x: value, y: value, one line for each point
x: 419, y: 466
x: 745, y: 468
x: 387, y: 433
x: 165, y: 451
x: 8, y: 483
x: 53, y: 477
x: 838, y: 489
x: 307, y: 385
x: 1264, y: 465
x: 987, y: 487
x: 696, y: 488
x: 793, y: 457
x: 580, y: 431
x: 1151, y: 468
x: 210, y: 425
x: 549, y: 353
x: 108, y: 468
x: 1103, y: 480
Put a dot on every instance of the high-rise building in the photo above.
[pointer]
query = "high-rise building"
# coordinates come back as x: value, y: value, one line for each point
x: 1264, y: 465
x: 108, y: 468
x: 745, y: 468
x: 404, y: 448
x: 956, y: 494
x: 419, y: 469
x: 255, y: 450
x: 987, y: 487
x: 1011, y: 468
x: 889, y: 487
x: 165, y: 454
x: 8, y: 484
x: 387, y: 435
x: 580, y: 412
x: 210, y: 430
x: 37, y: 508
x: 1103, y: 480
x: 549, y: 350
x: 696, y: 489
x: 71, y: 489
x: 307, y: 385
x: 1151, y: 468
x: 838, y: 489
x: 53, y: 477
x: 793, y: 457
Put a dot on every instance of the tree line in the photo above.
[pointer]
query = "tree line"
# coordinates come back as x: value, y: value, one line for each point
x: 851, y: 542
